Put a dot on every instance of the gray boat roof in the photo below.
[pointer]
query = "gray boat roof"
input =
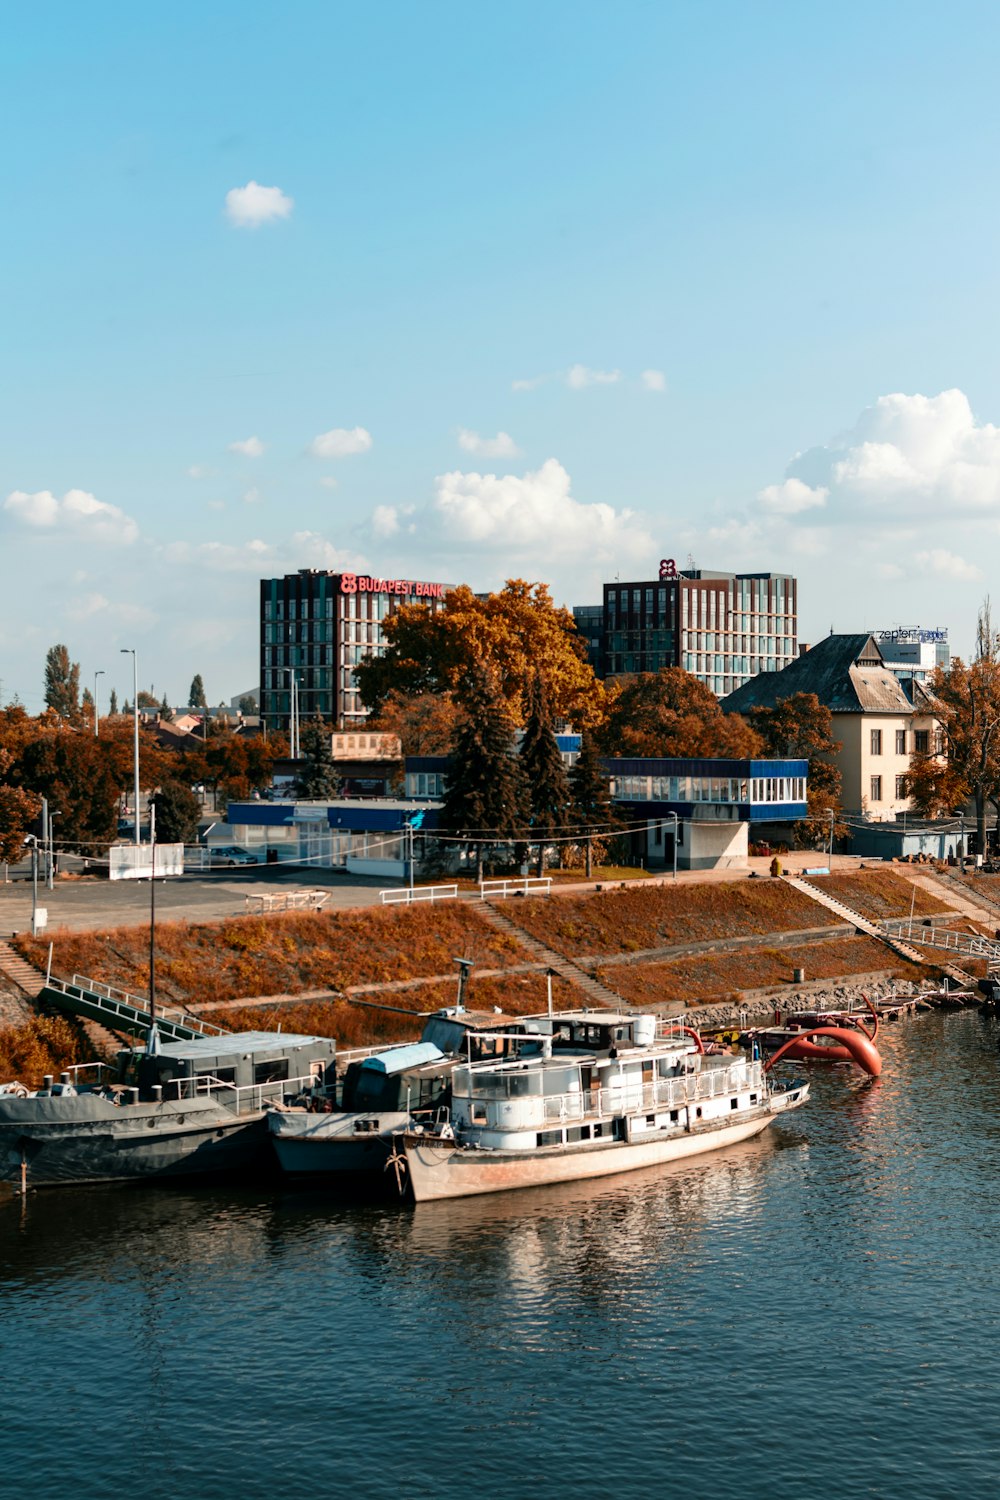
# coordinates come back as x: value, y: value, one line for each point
x: 402, y: 1059
x: 235, y: 1041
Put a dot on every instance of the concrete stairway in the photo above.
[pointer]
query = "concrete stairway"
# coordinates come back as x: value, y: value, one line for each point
x: 599, y: 993
x: 872, y: 929
x: 19, y: 971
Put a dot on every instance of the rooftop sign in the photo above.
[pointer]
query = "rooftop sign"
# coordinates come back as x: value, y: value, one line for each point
x: 360, y: 583
x: 916, y: 634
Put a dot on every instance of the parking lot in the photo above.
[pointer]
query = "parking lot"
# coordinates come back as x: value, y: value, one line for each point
x: 81, y: 901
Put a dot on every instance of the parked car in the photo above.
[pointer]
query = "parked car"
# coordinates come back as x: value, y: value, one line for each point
x: 230, y: 855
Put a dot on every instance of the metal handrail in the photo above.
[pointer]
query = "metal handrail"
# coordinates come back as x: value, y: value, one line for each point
x: 674, y: 1093
x: 523, y: 885
x: 407, y: 895
x: 248, y: 1098
x: 122, y: 1001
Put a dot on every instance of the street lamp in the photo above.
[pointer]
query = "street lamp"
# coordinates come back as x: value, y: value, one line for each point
x: 130, y: 651
x: 97, y: 717
x: 294, y: 724
x: 833, y: 818
x: 53, y: 814
x: 676, y: 826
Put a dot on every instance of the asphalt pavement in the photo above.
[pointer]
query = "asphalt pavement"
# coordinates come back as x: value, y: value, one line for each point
x: 82, y: 902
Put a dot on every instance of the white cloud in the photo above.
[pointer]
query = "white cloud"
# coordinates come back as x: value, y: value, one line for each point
x: 247, y: 207
x: 909, y: 456
x: 531, y: 383
x: 250, y: 447
x: 340, y: 442
x: 790, y: 498
x: 579, y: 376
x: 198, y: 471
x: 889, y: 571
x: 302, y: 549
x: 501, y: 446
x: 89, y: 606
x: 77, y: 512
x: 943, y: 564
x: 654, y: 380
x: 532, y: 514
x: 251, y: 497
x: 328, y: 482
x: 215, y: 504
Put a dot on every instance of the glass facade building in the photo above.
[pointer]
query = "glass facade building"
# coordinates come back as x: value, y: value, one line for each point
x: 723, y: 628
x: 319, y: 626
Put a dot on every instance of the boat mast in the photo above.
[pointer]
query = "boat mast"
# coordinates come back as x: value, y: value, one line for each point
x: 151, y: 1036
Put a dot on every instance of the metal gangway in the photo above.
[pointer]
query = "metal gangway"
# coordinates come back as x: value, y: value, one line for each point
x: 968, y: 944
x: 120, y: 1011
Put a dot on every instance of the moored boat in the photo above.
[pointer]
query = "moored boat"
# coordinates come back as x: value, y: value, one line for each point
x: 605, y: 1093
x: 176, y: 1109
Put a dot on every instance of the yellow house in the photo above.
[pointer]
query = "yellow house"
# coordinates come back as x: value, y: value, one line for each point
x: 879, y: 719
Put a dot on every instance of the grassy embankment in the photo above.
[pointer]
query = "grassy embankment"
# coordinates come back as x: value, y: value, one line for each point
x: 204, y: 965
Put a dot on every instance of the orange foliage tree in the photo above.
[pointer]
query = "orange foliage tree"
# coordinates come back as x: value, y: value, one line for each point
x: 671, y: 712
x: 514, y: 635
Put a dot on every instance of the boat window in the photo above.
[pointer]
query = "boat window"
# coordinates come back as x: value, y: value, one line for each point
x: 577, y: 1133
x: 520, y: 1084
x: 479, y: 1115
x: 674, y: 1116
x: 224, y: 1075
x: 734, y: 1104
x: 271, y: 1072
x: 549, y: 1138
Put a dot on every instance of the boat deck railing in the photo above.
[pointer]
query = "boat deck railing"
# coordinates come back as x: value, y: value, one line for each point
x: 242, y: 1099
x: 624, y: 1096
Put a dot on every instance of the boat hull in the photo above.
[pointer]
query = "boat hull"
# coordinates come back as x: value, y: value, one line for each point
x: 308, y: 1145
x: 67, y: 1141
x: 437, y: 1170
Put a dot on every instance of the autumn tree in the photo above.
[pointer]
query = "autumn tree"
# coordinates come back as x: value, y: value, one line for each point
x: 546, y: 786
x: 590, y: 796
x: 82, y: 778
x: 484, y: 802
x: 62, y: 682
x: 968, y: 704
x: 426, y: 723
x: 18, y: 809
x: 670, y: 713
x: 515, y: 634
x: 801, y: 728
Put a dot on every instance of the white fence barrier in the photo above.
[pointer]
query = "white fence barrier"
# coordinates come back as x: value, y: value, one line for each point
x: 407, y: 896
x: 524, y: 885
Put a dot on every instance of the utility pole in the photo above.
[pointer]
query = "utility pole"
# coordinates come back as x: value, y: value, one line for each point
x: 130, y: 651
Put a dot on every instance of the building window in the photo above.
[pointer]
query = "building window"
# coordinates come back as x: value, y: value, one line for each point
x: 900, y: 741
x: 876, y: 789
x: 876, y: 742
x: 921, y: 741
x: 900, y: 788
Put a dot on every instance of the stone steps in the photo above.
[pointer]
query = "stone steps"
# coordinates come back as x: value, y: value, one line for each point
x: 19, y: 971
x: 593, y: 988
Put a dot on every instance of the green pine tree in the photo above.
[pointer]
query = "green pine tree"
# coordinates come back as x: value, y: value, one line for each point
x: 178, y: 813
x: 484, y: 801
x: 591, y: 799
x: 319, y: 776
x: 196, y: 693
x: 113, y: 702
x: 544, y: 773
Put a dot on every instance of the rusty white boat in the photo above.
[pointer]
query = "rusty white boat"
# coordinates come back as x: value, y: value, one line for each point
x: 605, y: 1093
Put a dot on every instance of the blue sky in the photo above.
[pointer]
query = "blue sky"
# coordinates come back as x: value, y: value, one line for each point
x: 582, y: 285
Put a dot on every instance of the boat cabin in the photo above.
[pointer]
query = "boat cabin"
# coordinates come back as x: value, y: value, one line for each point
x: 243, y: 1059
x: 412, y: 1077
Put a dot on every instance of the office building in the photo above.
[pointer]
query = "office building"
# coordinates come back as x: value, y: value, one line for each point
x: 723, y: 628
x: 317, y: 626
x: 914, y: 655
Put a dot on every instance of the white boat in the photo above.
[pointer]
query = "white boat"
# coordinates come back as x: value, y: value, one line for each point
x: 606, y: 1093
x: 382, y: 1092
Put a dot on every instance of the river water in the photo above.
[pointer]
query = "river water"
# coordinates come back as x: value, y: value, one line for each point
x: 812, y: 1314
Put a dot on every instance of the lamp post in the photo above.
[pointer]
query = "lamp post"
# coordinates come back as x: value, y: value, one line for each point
x: 97, y: 716
x: 676, y: 826
x: 130, y: 651
x: 833, y: 819
x: 52, y: 850
x: 293, y: 728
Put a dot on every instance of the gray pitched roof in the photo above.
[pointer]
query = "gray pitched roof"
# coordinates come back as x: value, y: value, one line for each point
x: 846, y: 672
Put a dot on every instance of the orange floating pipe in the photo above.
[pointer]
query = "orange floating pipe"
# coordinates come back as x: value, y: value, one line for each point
x: 850, y: 1046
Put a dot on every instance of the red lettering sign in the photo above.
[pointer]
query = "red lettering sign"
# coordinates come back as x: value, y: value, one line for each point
x: 348, y: 583
x: 668, y: 568
x: 361, y: 583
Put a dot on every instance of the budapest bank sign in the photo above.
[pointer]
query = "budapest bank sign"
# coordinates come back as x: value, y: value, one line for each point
x: 360, y: 583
